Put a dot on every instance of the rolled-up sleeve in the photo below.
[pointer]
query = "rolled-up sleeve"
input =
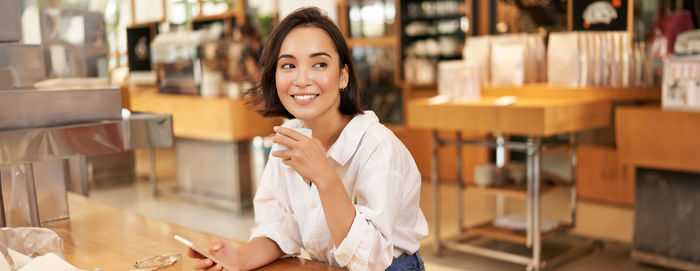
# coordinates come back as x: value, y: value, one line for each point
x: 273, y: 219
x: 368, y: 245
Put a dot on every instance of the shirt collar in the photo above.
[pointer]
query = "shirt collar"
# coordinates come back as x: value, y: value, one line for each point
x: 349, y: 139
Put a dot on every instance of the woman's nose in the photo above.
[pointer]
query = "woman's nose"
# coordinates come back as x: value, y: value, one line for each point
x: 302, y: 78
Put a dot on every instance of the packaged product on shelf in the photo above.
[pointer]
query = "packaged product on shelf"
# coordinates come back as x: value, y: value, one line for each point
x: 507, y: 64
x: 615, y: 61
x: 584, y: 57
x: 458, y: 80
x: 598, y: 60
x: 590, y: 41
x: 625, y: 51
x: 563, y: 59
x: 477, y: 52
x: 681, y: 83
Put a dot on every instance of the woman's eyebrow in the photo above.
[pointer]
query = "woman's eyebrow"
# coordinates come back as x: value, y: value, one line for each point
x: 320, y: 54
x: 286, y: 56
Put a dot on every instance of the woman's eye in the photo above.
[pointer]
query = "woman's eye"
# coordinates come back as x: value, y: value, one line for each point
x: 320, y: 65
x: 287, y: 66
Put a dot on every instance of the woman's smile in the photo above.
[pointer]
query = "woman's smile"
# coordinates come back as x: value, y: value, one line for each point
x: 304, y: 99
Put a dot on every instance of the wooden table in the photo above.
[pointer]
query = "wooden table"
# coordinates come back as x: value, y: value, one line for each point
x: 101, y: 236
x: 529, y: 116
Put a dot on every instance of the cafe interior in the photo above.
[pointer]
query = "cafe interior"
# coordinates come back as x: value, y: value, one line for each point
x: 549, y: 134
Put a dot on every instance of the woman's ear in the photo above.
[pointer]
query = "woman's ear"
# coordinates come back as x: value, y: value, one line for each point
x: 344, y: 77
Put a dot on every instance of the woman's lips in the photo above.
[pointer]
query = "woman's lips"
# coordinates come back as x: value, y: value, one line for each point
x: 304, y: 99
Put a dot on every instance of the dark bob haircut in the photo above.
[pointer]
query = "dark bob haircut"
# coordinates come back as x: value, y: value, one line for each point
x: 265, y: 91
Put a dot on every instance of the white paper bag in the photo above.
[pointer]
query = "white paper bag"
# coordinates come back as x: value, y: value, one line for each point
x: 563, y: 59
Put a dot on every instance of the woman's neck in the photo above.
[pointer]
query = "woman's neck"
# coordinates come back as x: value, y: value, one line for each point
x: 327, y: 128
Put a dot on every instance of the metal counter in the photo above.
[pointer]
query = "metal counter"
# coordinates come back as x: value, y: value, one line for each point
x: 26, y: 146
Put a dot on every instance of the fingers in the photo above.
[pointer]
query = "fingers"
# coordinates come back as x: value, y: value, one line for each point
x: 217, y: 244
x: 291, y: 133
x: 194, y: 254
x: 204, y: 264
x: 215, y: 267
x: 285, y: 140
x: 284, y: 155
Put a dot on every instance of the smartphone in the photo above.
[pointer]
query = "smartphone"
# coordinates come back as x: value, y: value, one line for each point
x: 203, y: 252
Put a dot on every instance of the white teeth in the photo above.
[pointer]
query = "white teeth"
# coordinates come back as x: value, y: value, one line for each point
x: 304, y: 97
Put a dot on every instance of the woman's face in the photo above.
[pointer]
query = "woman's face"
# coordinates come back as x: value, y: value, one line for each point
x: 308, y: 75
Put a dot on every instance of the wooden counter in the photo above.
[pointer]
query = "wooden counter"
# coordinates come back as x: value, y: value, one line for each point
x: 543, y: 90
x: 102, y: 236
x: 220, y: 118
x: 527, y: 116
x: 657, y: 138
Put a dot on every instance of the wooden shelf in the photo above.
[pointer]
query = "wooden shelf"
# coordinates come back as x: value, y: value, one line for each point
x: 378, y: 41
x: 543, y: 90
x: 487, y: 229
x: 512, y: 190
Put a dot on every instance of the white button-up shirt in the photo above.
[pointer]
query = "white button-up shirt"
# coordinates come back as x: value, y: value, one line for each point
x: 381, y: 179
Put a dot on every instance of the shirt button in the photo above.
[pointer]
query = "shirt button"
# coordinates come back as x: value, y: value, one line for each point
x: 313, y: 205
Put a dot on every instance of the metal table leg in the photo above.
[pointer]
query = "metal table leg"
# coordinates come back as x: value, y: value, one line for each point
x: 436, y: 195
x: 3, y: 222
x: 536, y: 218
x: 34, y: 219
x: 460, y: 185
x: 152, y: 172
x: 528, y: 197
x: 573, y: 171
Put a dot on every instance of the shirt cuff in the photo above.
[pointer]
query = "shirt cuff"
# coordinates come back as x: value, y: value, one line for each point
x: 352, y: 246
x: 276, y: 233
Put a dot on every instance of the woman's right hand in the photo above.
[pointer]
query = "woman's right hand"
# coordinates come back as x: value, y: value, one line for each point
x: 220, y: 249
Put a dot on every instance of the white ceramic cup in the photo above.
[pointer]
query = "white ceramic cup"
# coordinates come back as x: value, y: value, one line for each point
x: 280, y: 147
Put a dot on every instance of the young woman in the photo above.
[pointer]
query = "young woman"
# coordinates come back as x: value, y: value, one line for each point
x: 349, y: 195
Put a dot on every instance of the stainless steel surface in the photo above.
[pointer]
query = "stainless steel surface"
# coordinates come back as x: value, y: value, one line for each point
x: 3, y: 222
x: 49, y: 193
x: 152, y: 177
x: 52, y: 143
x: 528, y: 199
x: 78, y: 175
x: 213, y: 172
x: 32, y: 201
x: 181, y: 77
x: 44, y: 108
x: 536, y: 217
x: 26, y: 61
x: 436, y: 194
x: 573, y: 166
x: 460, y: 185
x: 74, y: 43
x: 10, y: 30
x: 490, y: 253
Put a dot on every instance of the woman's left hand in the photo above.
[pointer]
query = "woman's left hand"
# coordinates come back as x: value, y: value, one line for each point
x: 306, y: 156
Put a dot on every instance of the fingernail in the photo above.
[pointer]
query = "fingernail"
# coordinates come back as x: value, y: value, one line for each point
x: 275, y: 128
x: 217, y: 246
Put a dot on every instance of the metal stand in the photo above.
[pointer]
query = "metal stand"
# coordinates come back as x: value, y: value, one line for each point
x: 34, y: 219
x: 533, y: 238
x: 3, y: 222
x: 152, y: 178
